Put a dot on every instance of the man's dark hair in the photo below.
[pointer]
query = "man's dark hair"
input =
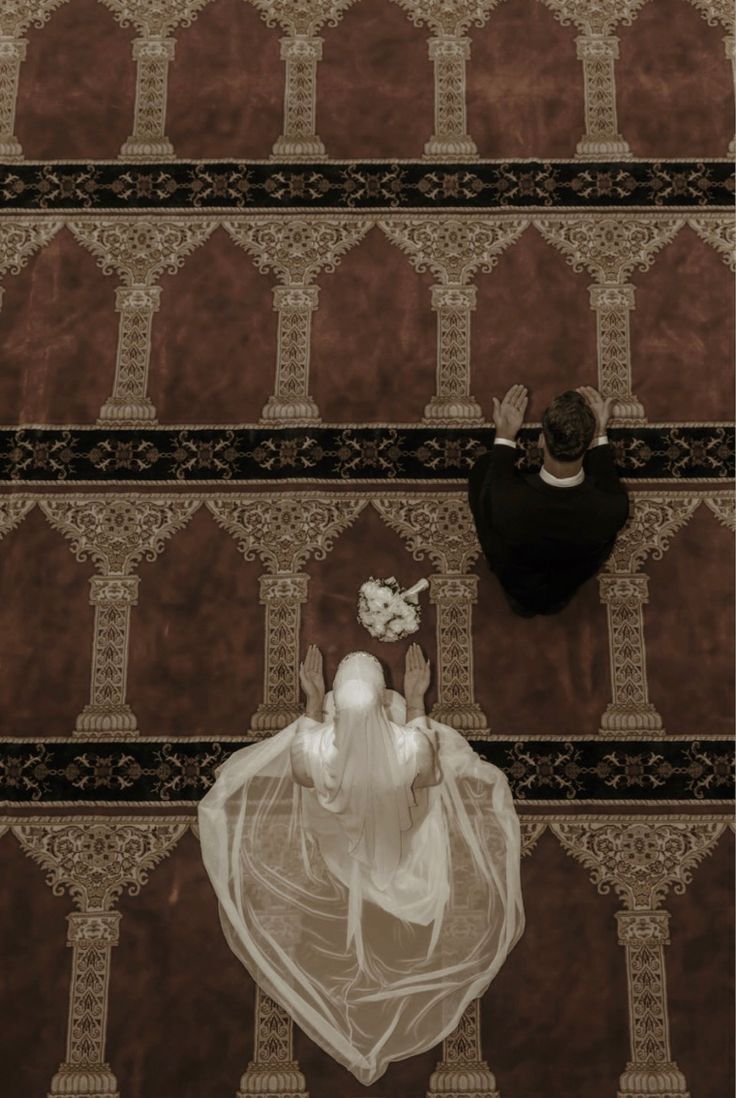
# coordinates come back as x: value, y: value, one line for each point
x: 569, y: 426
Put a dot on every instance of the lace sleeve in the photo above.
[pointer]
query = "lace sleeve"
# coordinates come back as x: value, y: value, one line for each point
x: 427, y: 763
x: 300, y: 768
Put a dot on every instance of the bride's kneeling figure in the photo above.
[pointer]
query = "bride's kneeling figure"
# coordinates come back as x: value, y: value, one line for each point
x: 366, y: 861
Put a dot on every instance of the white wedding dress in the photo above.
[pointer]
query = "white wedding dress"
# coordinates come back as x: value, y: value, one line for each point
x: 367, y: 871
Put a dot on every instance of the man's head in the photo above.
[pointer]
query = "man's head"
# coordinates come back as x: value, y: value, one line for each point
x: 568, y: 427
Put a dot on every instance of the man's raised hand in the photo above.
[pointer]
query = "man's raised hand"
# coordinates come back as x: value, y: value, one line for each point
x: 600, y: 406
x: 508, y: 414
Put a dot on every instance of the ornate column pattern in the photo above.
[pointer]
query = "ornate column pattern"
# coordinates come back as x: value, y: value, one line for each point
x: 453, y: 247
x: 91, y: 936
x: 613, y: 305
x: 642, y: 858
x: 597, y: 48
x: 283, y: 532
x: 116, y: 532
x: 301, y: 51
x: 441, y: 527
x: 644, y: 936
x: 453, y: 305
x: 273, y: 1069
x: 299, y: 140
x: 462, y: 1069
x: 454, y: 597
x: 19, y: 240
x: 630, y: 710
x: 601, y: 139
x: 112, y: 598
x: 129, y: 401
x: 610, y: 246
x: 95, y: 860
x: 652, y: 522
x: 297, y: 248
x: 290, y: 401
x: 15, y: 18
x: 282, y: 595
x: 449, y: 50
x: 12, y: 52
x: 148, y: 140
x: 139, y: 249
x: 152, y: 52
x: 450, y: 140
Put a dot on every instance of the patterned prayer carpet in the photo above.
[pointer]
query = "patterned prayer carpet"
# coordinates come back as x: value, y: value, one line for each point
x: 261, y: 281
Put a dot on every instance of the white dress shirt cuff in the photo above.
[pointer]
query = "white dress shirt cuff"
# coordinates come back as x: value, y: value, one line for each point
x: 504, y: 442
x: 601, y: 440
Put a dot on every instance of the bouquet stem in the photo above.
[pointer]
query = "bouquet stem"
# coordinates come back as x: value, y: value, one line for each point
x: 412, y: 592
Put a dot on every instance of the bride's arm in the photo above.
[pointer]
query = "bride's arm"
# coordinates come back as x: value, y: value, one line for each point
x: 299, y: 765
x: 416, y: 681
x: 428, y: 771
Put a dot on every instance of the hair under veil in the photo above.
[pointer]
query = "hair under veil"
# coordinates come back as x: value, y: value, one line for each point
x: 333, y: 893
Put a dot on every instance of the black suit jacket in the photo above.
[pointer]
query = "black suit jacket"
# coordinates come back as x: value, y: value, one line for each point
x: 543, y: 541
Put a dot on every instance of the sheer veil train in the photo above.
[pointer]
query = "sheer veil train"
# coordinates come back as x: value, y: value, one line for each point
x: 367, y: 871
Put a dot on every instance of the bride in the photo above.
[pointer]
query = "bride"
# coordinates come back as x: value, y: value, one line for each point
x: 366, y: 863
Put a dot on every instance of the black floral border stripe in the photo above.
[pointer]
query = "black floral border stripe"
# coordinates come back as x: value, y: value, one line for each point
x: 195, y: 185
x: 115, y: 455
x: 692, y: 770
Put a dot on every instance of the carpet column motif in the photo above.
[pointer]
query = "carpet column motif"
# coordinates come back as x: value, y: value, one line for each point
x: 95, y: 861
x: 642, y: 860
x: 301, y: 50
x: 454, y: 248
x: 450, y: 139
x: 273, y: 1069
x: 453, y: 305
x: 12, y: 52
x: 291, y: 399
x: 441, y: 528
x: 599, y: 54
x: 652, y: 522
x: 299, y: 139
x: 609, y: 247
x: 139, y: 249
x: 462, y: 1069
x: 297, y: 248
x: 283, y: 532
x: 15, y: 19
x: 116, y: 533
x: 153, y: 52
x: 598, y: 49
x: 148, y: 139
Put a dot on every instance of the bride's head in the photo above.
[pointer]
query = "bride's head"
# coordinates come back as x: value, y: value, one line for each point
x: 358, y: 682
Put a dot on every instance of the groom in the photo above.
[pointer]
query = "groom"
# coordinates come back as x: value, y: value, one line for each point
x: 546, y: 533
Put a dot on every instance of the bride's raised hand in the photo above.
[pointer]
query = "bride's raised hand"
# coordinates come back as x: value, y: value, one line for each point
x: 416, y: 675
x: 311, y: 676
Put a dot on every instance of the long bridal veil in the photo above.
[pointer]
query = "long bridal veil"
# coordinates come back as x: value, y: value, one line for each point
x: 367, y: 871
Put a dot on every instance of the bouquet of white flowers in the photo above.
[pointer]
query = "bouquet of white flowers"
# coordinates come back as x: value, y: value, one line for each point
x: 387, y: 612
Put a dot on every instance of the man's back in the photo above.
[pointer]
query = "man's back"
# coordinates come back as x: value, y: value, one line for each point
x: 543, y: 540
